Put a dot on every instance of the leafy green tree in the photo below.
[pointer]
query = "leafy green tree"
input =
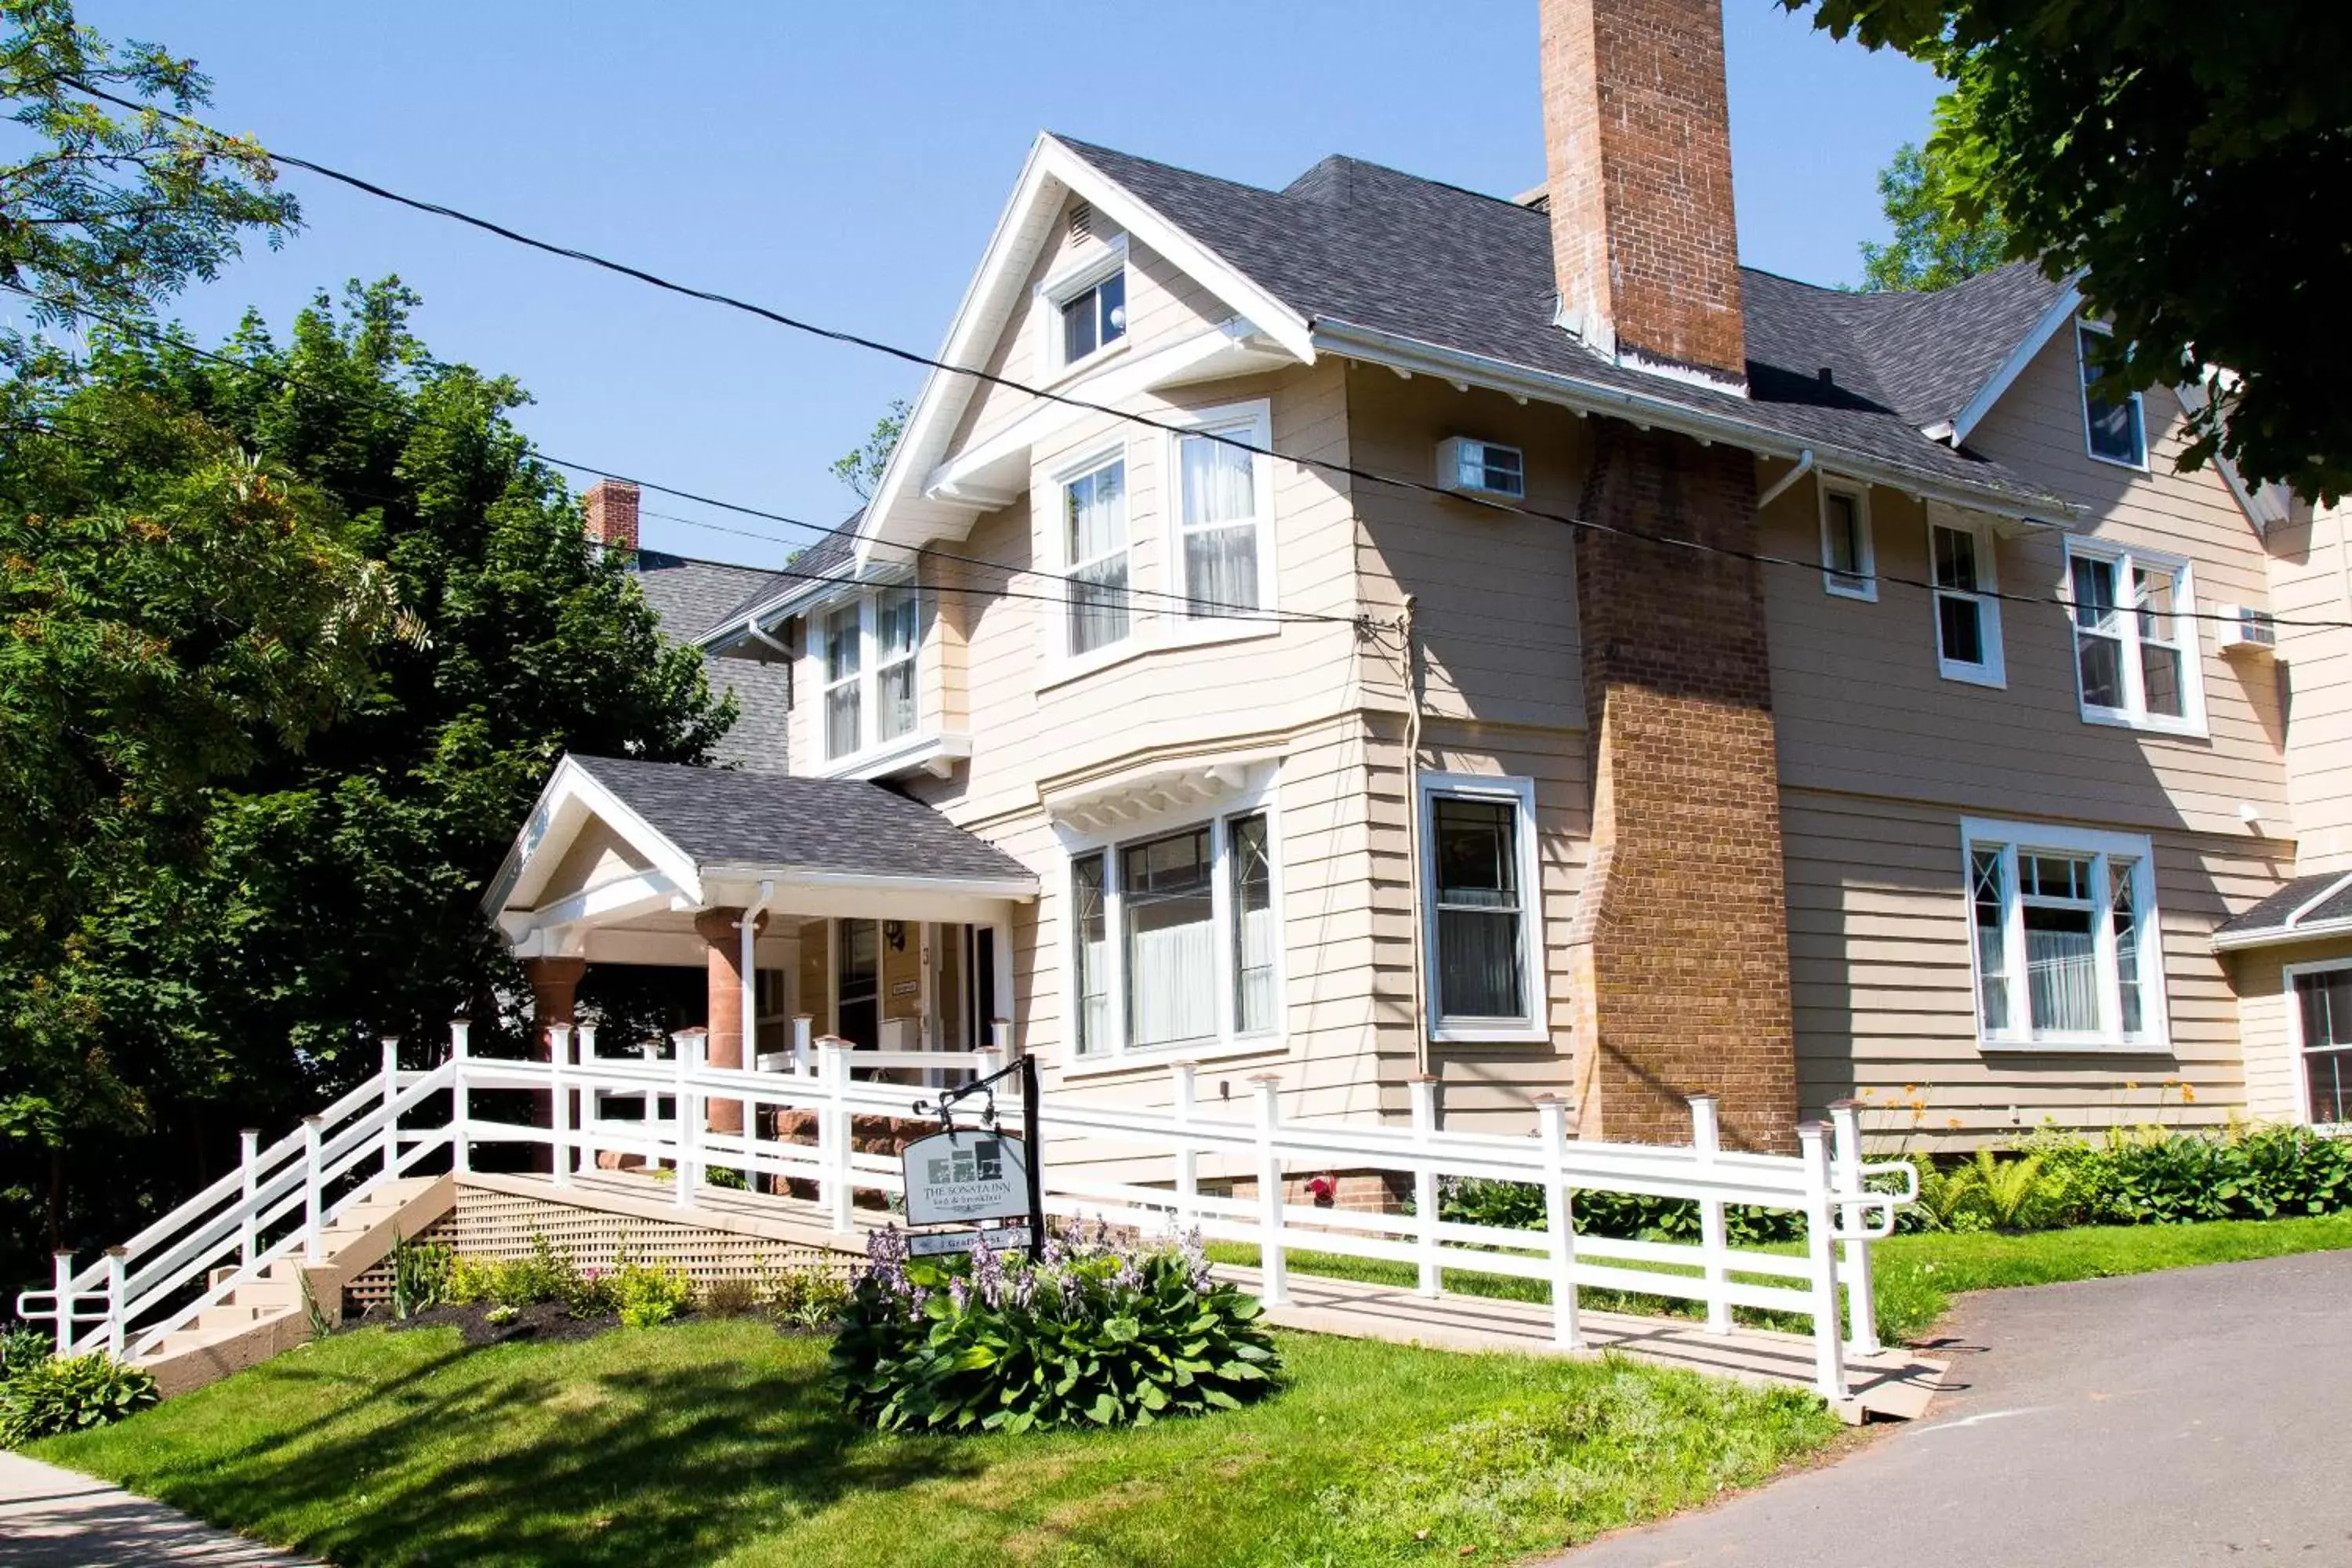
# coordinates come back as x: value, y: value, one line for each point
x: 2194, y: 163
x: 861, y: 470
x: 1934, y: 247
x: 319, y: 886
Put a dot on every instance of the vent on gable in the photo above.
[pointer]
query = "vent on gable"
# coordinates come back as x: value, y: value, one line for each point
x: 1082, y: 221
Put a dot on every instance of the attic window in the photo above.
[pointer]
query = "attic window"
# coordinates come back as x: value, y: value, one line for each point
x: 1095, y: 318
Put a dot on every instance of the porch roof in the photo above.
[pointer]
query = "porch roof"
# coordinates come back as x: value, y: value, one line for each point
x: 619, y: 846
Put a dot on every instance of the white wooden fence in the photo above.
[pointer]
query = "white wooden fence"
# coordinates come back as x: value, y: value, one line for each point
x: 1175, y: 1159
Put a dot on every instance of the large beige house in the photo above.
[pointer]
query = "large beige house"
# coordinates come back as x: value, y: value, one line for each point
x: 1372, y: 628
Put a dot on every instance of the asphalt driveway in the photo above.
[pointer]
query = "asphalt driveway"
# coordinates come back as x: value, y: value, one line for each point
x: 2200, y: 1416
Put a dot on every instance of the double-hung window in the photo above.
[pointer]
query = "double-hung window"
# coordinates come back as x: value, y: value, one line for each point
x: 2323, y: 1033
x: 2115, y: 431
x: 1085, y: 306
x: 1223, y: 510
x: 2065, y: 936
x: 2135, y: 649
x: 867, y: 650
x: 1173, y: 939
x: 1484, y: 945
x: 1848, y: 566
x: 1094, y: 547
x: 1967, y: 617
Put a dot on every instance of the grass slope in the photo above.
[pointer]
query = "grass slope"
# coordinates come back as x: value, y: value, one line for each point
x: 1915, y: 1277
x: 714, y: 1441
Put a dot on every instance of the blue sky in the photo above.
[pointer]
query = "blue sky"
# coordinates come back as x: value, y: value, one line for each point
x: 846, y: 162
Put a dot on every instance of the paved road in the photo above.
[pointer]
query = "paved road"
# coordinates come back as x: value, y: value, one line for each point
x: 51, y: 1517
x: 2201, y: 1415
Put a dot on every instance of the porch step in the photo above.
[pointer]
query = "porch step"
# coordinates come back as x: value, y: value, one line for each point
x: 263, y: 1316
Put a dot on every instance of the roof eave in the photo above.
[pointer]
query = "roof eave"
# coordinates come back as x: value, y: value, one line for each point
x: 2280, y: 936
x: 1521, y: 381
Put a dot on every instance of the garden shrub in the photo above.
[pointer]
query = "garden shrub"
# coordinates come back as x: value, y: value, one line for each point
x: 420, y: 1276
x: 22, y: 1346
x: 70, y: 1394
x: 1094, y: 1335
x: 645, y: 1294
x: 1520, y: 1205
x: 730, y: 1297
x: 802, y: 1297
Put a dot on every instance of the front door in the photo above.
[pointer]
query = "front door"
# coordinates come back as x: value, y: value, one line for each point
x: 857, y: 990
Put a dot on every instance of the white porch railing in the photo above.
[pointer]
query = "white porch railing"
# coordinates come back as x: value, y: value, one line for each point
x: 273, y: 1204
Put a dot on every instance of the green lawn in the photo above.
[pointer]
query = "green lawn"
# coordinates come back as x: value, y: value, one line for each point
x: 1916, y: 1276
x: 715, y: 1442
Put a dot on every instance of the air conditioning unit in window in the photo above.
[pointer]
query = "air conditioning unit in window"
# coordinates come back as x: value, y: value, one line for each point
x: 1481, y: 469
x: 2243, y: 626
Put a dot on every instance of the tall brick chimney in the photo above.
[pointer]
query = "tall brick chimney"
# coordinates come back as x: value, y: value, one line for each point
x: 612, y: 507
x: 1679, y: 944
x: 1637, y: 157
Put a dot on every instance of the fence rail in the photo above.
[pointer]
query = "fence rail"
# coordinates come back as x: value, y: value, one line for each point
x: 276, y: 1204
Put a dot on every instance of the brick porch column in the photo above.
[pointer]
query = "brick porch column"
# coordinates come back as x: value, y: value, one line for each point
x: 554, y: 991
x: 720, y: 932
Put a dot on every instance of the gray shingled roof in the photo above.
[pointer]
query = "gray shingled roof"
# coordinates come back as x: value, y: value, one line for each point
x: 2275, y: 917
x: 844, y: 827
x: 1354, y: 244
x: 688, y: 597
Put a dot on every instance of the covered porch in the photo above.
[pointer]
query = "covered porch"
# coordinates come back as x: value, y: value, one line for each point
x: 815, y: 910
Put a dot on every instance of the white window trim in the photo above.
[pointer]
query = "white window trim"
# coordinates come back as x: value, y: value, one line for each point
x: 2134, y: 714
x: 1536, y: 1027
x: 1061, y: 663
x: 2082, y: 399
x: 873, y: 755
x: 2009, y: 838
x: 1067, y: 284
x: 1832, y: 581
x: 1257, y: 799
x: 1994, y: 672
x: 2298, y: 1046
x: 1252, y: 422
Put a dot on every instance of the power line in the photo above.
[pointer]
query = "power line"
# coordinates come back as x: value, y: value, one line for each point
x: 1221, y: 610
x: 911, y: 356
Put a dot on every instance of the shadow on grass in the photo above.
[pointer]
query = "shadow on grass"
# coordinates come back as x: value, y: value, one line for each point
x: 666, y: 1462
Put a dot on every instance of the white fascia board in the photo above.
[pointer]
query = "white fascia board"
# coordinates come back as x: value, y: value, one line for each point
x: 2263, y: 507
x: 749, y: 873
x: 1521, y: 381
x: 608, y: 903
x: 2060, y: 311
x: 2280, y: 936
x: 996, y: 289
x: 570, y: 800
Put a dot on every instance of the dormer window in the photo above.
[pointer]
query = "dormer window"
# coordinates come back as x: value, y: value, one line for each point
x: 1095, y: 318
x: 2116, y: 431
x: 867, y: 652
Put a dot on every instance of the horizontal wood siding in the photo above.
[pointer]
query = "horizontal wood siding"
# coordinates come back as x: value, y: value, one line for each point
x: 2311, y: 580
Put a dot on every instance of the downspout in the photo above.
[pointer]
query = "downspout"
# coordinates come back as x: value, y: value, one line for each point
x: 751, y: 627
x: 1780, y: 486
x: 747, y: 977
x: 1412, y: 680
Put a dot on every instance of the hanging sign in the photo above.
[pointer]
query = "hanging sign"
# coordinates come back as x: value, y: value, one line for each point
x: 996, y: 1238
x: 967, y: 1174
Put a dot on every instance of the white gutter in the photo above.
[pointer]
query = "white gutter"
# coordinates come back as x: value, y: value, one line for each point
x: 1518, y: 381
x: 1780, y: 486
x: 2279, y: 936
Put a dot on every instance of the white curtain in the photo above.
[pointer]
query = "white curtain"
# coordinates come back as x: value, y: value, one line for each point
x: 1478, y: 965
x: 1172, y: 981
x: 1097, y: 528
x: 1220, y: 526
x: 1094, y: 1002
x: 1256, y: 998
x: 895, y: 687
x: 841, y: 719
x: 2062, y: 975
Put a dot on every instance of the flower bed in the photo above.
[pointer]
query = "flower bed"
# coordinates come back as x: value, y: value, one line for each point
x: 1094, y: 1334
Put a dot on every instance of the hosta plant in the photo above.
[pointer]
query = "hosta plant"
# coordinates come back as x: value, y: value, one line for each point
x: 1093, y: 1335
x: 69, y: 1393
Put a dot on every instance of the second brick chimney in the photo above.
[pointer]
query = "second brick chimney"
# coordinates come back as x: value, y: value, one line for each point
x: 1637, y: 158
x: 612, y: 506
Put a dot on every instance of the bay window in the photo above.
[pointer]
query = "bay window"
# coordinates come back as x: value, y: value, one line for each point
x: 2065, y: 941
x: 1093, y: 548
x: 2134, y: 651
x: 1223, y: 508
x: 1483, y: 946
x: 1173, y: 942
x: 867, y: 651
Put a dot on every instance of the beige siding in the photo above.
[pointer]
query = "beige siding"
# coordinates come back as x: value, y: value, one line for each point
x: 2311, y: 580
x: 2273, y: 1066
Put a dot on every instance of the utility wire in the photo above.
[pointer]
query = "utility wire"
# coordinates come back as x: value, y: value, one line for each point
x: 910, y: 356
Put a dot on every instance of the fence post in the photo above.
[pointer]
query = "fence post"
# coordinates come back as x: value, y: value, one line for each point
x: 1432, y: 1279
x: 583, y: 1100
x: 314, y: 1188
x: 461, y: 1100
x: 62, y: 1279
x: 1185, y: 1083
x: 1274, y: 1266
x: 803, y: 1056
x: 248, y: 1144
x: 1861, y: 1306
x: 117, y: 1298
x: 834, y: 1129
x: 1706, y: 1140
x: 1829, y: 1342
x: 559, y: 1073
x: 391, y: 1145
x: 1559, y: 1220
x: 689, y: 1166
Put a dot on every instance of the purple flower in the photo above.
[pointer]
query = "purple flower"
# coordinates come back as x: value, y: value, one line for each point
x: 960, y: 1293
